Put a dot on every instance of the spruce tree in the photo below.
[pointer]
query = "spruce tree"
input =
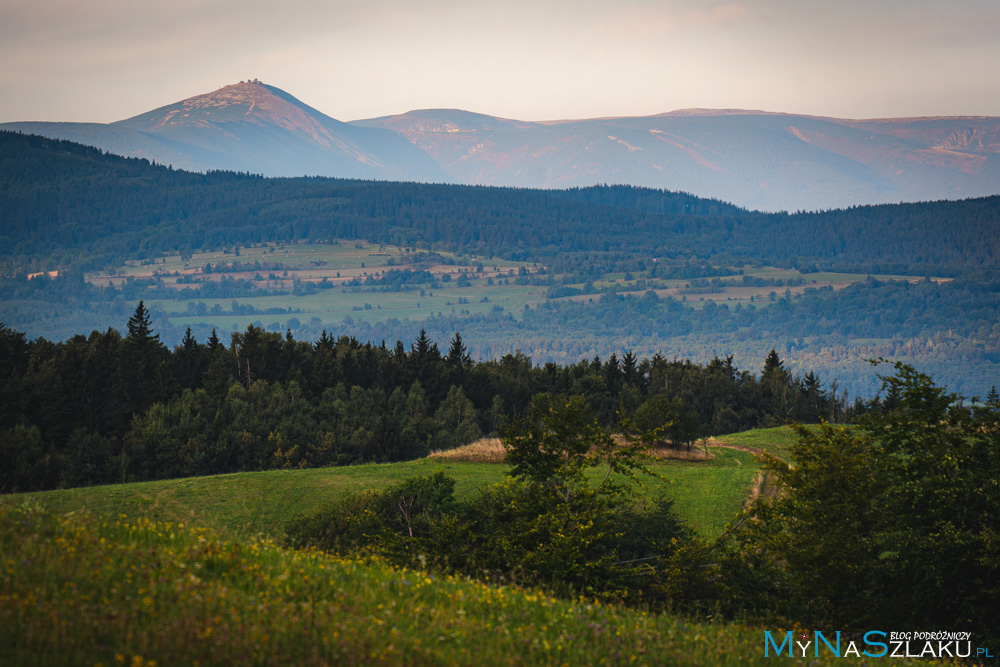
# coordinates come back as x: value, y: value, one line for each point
x: 775, y: 382
x: 213, y: 341
x: 992, y: 398
x: 140, y: 329
x: 422, y: 346
x: 142, y: 381
x: 457, y: 355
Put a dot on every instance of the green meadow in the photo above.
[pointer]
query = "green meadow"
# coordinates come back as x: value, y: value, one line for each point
x: 772, y: 440
x: 242, y: 505
x: 190, y: 571
x: 78, y: 590
x: 491, y: 289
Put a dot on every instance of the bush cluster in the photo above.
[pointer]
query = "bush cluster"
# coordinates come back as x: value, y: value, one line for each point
x: 565, y: 519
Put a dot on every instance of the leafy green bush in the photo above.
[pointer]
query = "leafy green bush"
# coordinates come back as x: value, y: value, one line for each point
x: 895, y: 525
x: 564, y: 520
x: 374, y: 521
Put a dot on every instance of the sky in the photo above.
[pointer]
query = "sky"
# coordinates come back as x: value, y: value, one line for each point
x: 105, y: 60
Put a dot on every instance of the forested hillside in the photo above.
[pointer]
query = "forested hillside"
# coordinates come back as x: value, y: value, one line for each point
x: 69, y: 206
x: 113, y: 408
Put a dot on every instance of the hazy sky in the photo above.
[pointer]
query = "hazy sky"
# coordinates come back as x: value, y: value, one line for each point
x: 104, y: 60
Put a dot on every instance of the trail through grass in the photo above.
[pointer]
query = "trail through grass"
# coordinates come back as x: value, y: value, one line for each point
x: 772, y: 440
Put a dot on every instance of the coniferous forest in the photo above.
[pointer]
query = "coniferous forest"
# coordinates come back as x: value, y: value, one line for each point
x: 109, y: 407
x: 68, y: 206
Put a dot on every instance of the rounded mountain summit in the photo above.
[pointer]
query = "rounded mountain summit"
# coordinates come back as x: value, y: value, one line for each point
x: 257, y: 128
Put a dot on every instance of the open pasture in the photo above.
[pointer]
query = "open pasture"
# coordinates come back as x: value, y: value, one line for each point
x: 127, y: 590
x: 334, y: 305
x: 707, y: 494
x: 732, y: 290
x: 338, y: 261
x: 314, y: 281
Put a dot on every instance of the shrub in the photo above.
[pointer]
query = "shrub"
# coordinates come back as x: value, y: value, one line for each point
x: 374, y: 521
x: 552, y: 524
x: 895, y: 525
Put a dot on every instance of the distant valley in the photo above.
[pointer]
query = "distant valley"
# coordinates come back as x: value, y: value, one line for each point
x: 559, y: 275
x: 754, y: 159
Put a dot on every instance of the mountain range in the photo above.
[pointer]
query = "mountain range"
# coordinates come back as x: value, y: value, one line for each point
x: 755, y: 159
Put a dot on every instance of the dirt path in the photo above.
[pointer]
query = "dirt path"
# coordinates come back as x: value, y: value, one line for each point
x: 713, y: 442
x: 761, y: 484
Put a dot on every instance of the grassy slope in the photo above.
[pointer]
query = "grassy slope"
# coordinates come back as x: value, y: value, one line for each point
x: 246, y: 504
x: 120, y: 588
x: 772, y: 440
x: 75, y: 590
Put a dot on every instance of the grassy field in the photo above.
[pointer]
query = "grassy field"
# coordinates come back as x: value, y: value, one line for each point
x: 773, y: 440
x: 494, y: 287
x: 707, y: 494
x: 333, y: 305
x: 316, y: 259
x: 76, y: 590
x: 188, y: 572
x: 339, y: 263
x: 732, y: 291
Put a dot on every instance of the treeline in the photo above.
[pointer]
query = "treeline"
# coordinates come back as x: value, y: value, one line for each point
x: 948, y: 328
x: 70, y: 206
x: 868, y: 309
x: 849, y: 532
x: 112, y: 408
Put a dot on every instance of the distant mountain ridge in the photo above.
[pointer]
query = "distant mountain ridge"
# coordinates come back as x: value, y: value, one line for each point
x: 762, y: 160
x: 754, y: 159
x: 255, y: 128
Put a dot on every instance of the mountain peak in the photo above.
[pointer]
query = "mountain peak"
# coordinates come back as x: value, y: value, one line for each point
x: 256, y: 127
x: 246, y: 101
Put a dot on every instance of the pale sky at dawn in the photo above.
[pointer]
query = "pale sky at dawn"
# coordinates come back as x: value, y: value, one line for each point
x: 104, y: 60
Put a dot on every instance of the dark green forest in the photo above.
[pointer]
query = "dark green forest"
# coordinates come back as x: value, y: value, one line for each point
x: 114, y: 408
x: 67, y: 206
